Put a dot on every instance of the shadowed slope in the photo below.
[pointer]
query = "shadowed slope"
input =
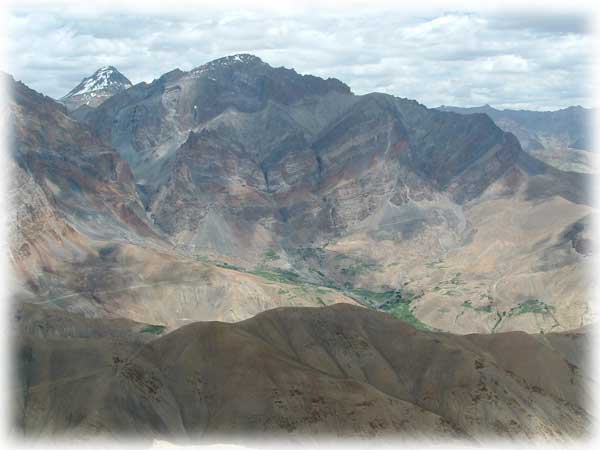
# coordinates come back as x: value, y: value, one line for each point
x: 339, y: 370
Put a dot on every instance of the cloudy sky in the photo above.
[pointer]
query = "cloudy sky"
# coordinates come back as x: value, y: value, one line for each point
x: 509, y: 60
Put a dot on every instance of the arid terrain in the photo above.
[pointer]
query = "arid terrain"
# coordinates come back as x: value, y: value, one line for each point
x: 241, y: 249
x: 336, y: 371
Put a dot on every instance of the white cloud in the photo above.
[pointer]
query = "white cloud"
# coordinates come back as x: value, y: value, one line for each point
x: 540, y: 62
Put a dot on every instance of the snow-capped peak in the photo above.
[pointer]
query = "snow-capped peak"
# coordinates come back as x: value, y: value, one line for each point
x: 228, y: 61
x: 107, y: 79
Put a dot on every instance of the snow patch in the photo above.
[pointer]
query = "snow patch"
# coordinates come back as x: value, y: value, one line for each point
x: 226, y: 61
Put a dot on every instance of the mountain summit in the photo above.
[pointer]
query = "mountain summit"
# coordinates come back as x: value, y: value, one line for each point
x: 232, y: 60
x: 95, y: 89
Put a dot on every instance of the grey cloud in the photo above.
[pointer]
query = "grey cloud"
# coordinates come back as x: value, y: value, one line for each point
x: 542, y: 23
x: 455, y: 58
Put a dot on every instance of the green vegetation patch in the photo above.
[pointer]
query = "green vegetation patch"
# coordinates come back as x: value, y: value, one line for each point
x: 531, y: 305
x: 271, y: 255
x: 357, y: 268
x: 226, y: 265
x: 403, y: 312
x: 318, y: 272
x: 221, y: 264
x: 486, y: 308
x: 395, y: 302
x: 306, y: 253
x: 153, y: 329
x: 278, y: 275
x: 438, y: 264
x: 371, y: 298
x: 456, y: 279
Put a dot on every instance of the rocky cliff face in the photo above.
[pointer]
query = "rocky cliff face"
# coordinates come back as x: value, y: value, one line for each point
x: 262, y: 150
x: 68, y: 188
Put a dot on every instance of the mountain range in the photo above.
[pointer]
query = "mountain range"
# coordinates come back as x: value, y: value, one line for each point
x: 560, y: 138
x: 236, y: 188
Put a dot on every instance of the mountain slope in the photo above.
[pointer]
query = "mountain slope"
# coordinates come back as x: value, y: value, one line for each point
x: 260, y: 166
x: 300, y: 372
x: 80, y: 238
x: 69, y: 188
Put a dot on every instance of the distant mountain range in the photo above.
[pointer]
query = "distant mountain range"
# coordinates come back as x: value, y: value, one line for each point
x: 568, y: 127
x: 219, y: 193
x: 552, y: 136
